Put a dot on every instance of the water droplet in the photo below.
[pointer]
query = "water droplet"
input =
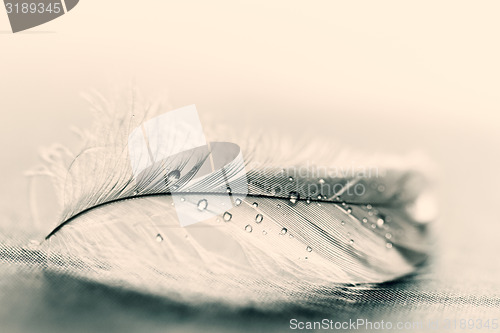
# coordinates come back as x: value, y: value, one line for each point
x: 365, y: 220
x: 380, y: 222
x: 291, y: 236
x: 228, y: 190
x: 264, y: 232
x: 259, y: 218
x: 369, y: 207
x: 136, y: 192
x: 321, y: 181
x: 344, y: 203
x: 283, y: 231
x: 343, y: 223
x: 388, y: 245
x: 182, y: 199
x: 309, y: 249
x: 255, y: 205
x: 348, y: 210
x: 319, y: 196
x: 278, y: 205
x: 319, y: 204
x: 374, y: 225
x: 294, y: 196
x: 308, y: 200
x: 351, y: 241
x: 227, y: 216
x: 237, y: 202
x: 159, y: 238
x: 388, y: 236
x: 348, y: 234
x: 248, y: 228
x: 202, y: 204
x: 172, y: 177
x: 290, y: 179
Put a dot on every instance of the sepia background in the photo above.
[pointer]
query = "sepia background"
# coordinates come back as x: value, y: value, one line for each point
x: 387, y: 76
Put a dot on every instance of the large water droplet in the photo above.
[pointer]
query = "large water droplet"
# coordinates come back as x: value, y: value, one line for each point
x: 172, y: 177
x: 202, y: 204
x: 309, y: 249
x: 159, y: 238
x: 248, y: 228
x: 283, y: 231
x: 294, y: 196
x: 237, y: 202
x: 227, y: 216
x: 380, y: 222
x: 259, y: 218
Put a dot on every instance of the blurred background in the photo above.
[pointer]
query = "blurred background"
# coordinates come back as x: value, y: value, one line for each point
x: 387, y: 76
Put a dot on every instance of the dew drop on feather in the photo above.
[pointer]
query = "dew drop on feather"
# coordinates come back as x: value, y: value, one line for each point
x: 227, y: 216
x: 202, y: 204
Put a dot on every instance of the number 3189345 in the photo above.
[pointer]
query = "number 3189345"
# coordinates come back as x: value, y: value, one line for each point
x: 33, y: 8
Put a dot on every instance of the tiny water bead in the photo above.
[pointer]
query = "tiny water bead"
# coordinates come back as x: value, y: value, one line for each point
x: 290, y: 179
x: 321, y: 181
x: 172, y: 176
x: 380, y: 222
x: 264, y: 232
x: 278, y: 205
x: 349, y: 210
x: 308, y: 200
x: 374, y: 225
x: 237, y: 202
x: 365, y: 220
x: 351, y: 241
x: 388, y: 245
x: 227, y: 216
x: 343, y: 223
x: 248, y: 228
x: 228, y: 190
x: 309, y: 249
x: 294, y: 196
x: 388, y: 235
x: 255, y: 205
x: 202, y: 204
x: 259, y: 218
x: 183, y: 199
x: 159, y: 238
x: 369, y: 207
x: 283, y: 231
